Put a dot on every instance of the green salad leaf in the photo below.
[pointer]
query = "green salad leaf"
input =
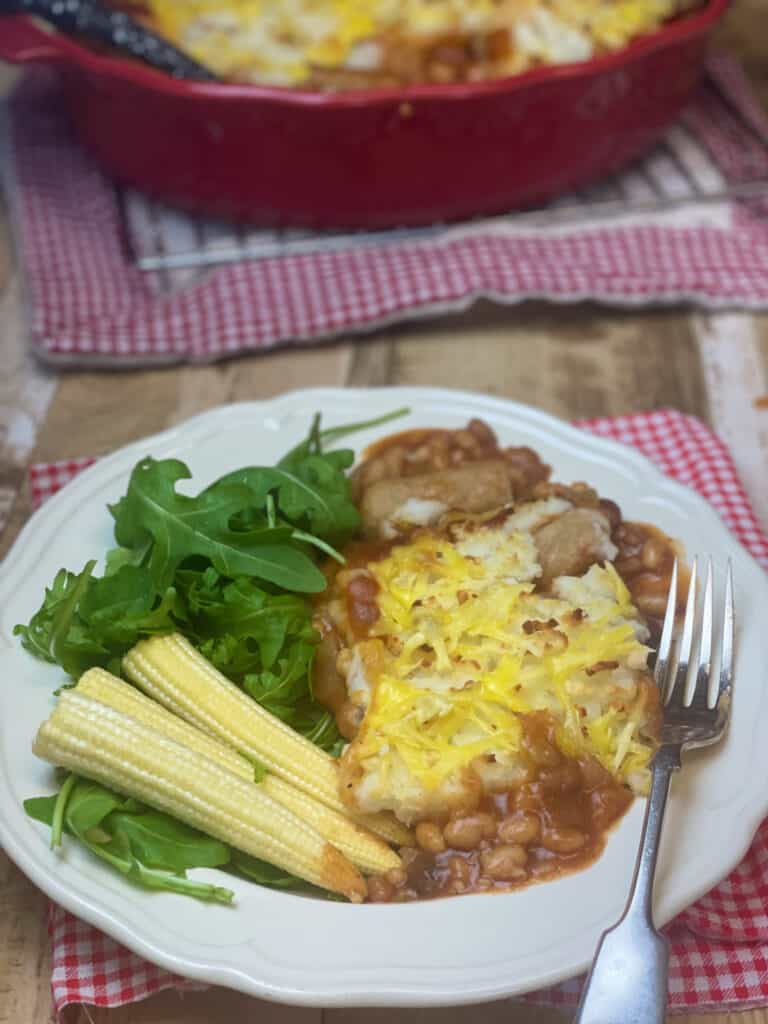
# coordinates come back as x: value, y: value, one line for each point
x: 263, y: 641
x: 52, y: 633
x: 150, y: 848
x: 162, y: 842
x: 229, y: 567
x: 84, y: 805
x: 181, y: 527
x: 42, y: 808
x: 311, y: 494
x: 86, y: 621
x: 272, y: 877
x: 318, y: 438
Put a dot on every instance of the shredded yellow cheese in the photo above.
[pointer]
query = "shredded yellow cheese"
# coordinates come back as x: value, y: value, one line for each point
x: 283, y: 41
x: 467, y: 645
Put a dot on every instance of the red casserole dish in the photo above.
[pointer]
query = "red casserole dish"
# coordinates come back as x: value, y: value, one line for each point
x: 378, y: 158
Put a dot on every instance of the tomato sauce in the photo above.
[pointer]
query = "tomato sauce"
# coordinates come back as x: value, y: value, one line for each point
x: 554, y: 823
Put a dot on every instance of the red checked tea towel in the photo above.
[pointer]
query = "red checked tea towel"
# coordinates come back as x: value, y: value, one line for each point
x: 719, y: 945
x: 89, y: 303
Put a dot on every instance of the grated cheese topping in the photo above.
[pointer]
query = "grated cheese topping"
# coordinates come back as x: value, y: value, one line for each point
x: 285, y: 41
x: 464, y: 646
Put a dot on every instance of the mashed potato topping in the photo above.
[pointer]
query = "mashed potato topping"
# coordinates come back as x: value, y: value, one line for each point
x: 289, y: 42
x: 464, y: 647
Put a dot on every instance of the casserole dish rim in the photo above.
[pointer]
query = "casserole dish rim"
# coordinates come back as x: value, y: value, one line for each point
x: 57, y: 48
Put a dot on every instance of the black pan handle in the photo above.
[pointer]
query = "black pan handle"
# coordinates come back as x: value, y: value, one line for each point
x: 116, y: 28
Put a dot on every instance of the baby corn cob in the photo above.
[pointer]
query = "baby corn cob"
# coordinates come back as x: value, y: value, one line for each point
x: 367, y: 851
x: 102, y: 686
x: 171, y: 671
x: 363, y: 848
x: 96, y: 741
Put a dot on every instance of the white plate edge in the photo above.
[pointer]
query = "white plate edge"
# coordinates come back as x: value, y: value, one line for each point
x: 544, y: 421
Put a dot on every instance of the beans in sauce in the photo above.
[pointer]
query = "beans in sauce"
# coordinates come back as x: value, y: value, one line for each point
x: 551, y: 825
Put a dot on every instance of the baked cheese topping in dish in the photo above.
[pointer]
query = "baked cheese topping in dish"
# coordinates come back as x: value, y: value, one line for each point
x: 463, y: 648
x: 354, y: 43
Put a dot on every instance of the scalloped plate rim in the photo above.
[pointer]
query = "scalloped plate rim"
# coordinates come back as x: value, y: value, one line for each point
x: 346, y: 989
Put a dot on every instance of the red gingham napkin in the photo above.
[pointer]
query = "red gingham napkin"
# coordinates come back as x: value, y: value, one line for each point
x: 719, y: 945
x: 89, y: 303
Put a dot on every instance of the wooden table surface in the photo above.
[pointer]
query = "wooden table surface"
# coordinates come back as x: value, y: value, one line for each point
x: 574, y: 361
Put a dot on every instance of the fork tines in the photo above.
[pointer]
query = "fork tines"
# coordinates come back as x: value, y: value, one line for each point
x: 696, y: 635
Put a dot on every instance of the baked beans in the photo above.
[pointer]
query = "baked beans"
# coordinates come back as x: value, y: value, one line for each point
x: 519, y: 828
x: 460, y: 875
x: 553, y: 823
x: 466, y: 832
x: 380, y: 889
x: 562, y: 840
x: 430, y: 837
x: 504, y: 863
x: 644, y: 561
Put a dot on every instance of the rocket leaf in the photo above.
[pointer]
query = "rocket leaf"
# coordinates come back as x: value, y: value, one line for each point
x: 182, y: 527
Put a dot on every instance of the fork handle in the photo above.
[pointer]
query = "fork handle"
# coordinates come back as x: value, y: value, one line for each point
x: 628, y: 980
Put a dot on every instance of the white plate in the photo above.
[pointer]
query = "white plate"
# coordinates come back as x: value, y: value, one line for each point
x: 450, y: 951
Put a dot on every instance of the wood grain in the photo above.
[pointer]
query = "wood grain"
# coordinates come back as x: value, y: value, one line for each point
x: 574, y: 362
x: 578, y: 361
x: 734, y: 364
x: 743, y: 32
x: 25, y: 968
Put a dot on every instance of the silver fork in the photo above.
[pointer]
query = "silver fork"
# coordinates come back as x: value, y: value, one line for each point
x: 628, y: 980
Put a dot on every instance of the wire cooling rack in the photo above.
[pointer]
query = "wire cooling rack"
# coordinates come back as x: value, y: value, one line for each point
x: 677, y: 181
